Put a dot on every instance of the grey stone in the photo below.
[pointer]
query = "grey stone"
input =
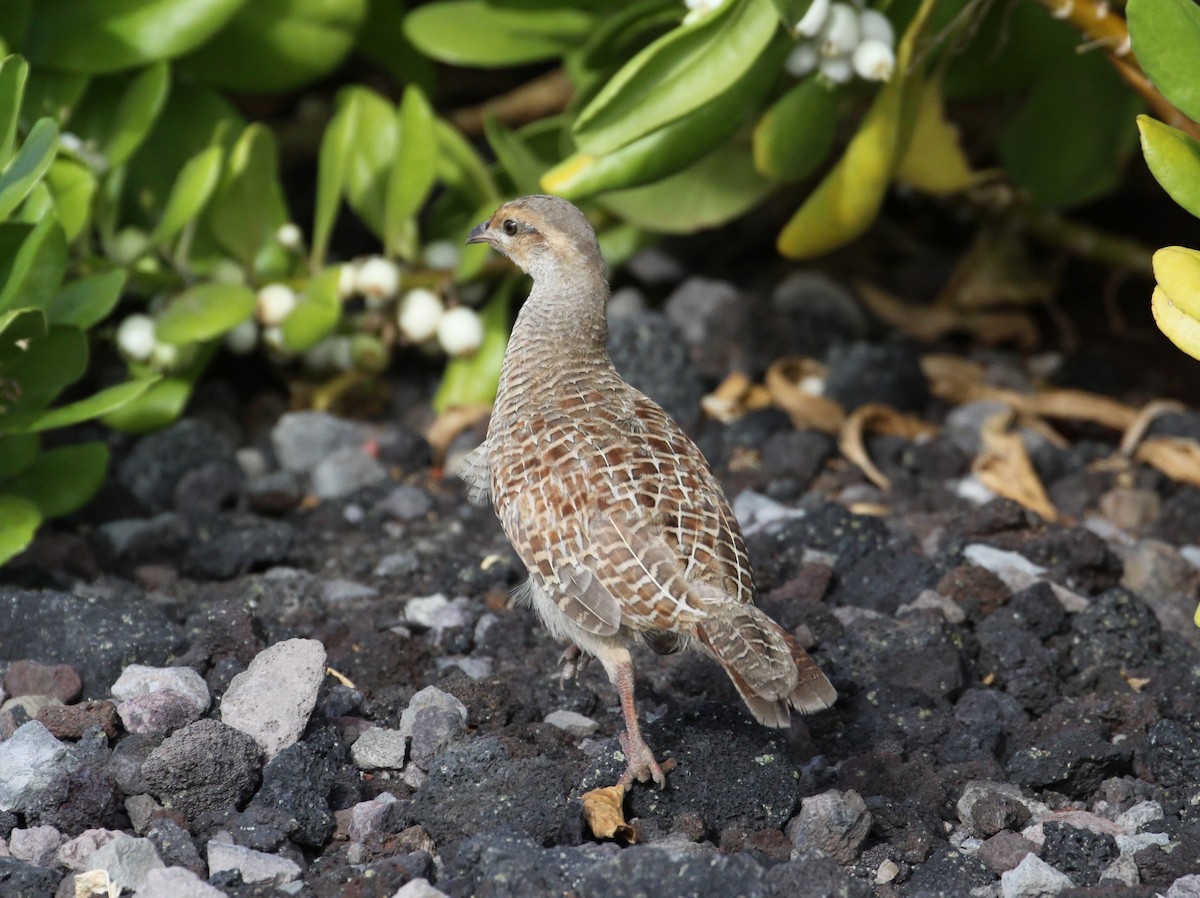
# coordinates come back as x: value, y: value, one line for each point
x: 346, y: 471
x: 977, y: 806
x: 369, y: 817
x: 272, y: 699
x: 397, y: 564
x: 30, y: 761
x: 141, y: 810
x: 963, y: 423
x: 435, y: 612
x: 434, y: 729
x: 406, y: 503
x: 346, y: 592
x: 206, y: 766
x: 275, y: 493
x: 302, y: 439
x: 176, y: 882
x: 158, y: 712
x: 709, y: 315
x: 127, y: 861
x: 1004, y: 851
x: 1033, y: 878
x: 379, y: 749
x: 75, y: 853
x: 39, y: 844
x: 572, y: 723
x: 1185, y: 887
x: 419, y: 888
x: 1123, y: 869
x: 1139, y: 815
x: 835, y: 822
x: 430, y: 697
x: 137, y: 680
x: 254, y: 866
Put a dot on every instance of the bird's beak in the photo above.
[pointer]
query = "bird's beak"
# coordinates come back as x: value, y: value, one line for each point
x: 479, y: 234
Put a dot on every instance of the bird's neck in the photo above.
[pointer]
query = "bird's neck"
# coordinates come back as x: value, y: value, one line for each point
x: 564, y: 322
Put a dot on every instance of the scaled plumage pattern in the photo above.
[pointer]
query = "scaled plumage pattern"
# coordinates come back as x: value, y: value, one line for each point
x: 624, y: 529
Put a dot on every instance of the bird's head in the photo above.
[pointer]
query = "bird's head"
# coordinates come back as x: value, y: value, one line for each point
x: 545, y: 236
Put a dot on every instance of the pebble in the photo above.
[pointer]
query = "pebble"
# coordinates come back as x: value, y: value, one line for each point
x: 346, y: 471
x: 254, y: 866
x: 301, y: 440
x: 1138, y: 816
x: 176, y: 882
x: 380, y: 749
x: 708, y: 314
x: 75, y: 853
x: 406, y: 503
x: 272, y: 699
x: 72, y: 721
x: 435, y: 612
x: 1185, y: 887
x: 397, y: 564
x: 368, y: 817
x: 1017, y: 572
x: 861, y: 373
x: 1004, y: 850
x: 756, y: 512
x: 39, y: 844
x: 474, y: 667
x: 206, y: 766
x: 431, y: 697
x: 419, y: 888
x: 275, y: 493
x: 932, y: 600
x: 434, y: 729
x: 1033, y: 878
x: 31, y: 678
x: 158, y: 713
x: 30, y: 760
x: 127, y: 861
x: 572, y: 723
x: 835, y: 822
x: 336, y: 592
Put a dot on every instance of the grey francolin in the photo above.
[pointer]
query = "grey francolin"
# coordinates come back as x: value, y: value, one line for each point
x: 625, y: 531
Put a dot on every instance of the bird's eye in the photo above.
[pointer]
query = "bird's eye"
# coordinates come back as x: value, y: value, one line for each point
x: 510, y: 227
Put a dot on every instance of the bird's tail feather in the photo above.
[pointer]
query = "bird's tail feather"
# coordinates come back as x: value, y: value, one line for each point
x: 769, y: 668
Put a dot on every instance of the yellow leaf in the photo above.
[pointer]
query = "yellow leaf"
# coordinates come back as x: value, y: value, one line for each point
x: 934, y: 160
x: 1177, y: 270
x: 604, y: 816
x: 1181, y: 329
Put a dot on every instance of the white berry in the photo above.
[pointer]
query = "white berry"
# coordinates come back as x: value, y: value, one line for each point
x: 875, y: 26
x: 378, y: 278
x: 874, y: 60
x: 275, y: 303
x: 289, y: 236
x: 135, y: 337
x: 813, y: 20
x: 419, y: 313
x: 802, y: 60
x: 441, y: 254
x: 347, y: 280
x: 165, y: 356
x: 837, y: 69
x: 243, y: 338
x: 460, y: 331
x: 840, y: 34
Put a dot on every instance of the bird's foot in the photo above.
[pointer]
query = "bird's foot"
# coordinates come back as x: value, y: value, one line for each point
x: 572, y: 662
x: 642, y: 766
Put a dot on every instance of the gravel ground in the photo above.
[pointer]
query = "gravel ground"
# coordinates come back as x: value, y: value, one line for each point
x: 278, y: 657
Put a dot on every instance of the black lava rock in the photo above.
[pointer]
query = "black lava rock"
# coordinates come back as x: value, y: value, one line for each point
x: 1179, y: 520
x: 158, y: 462
x: 19, y: 879
x: 515, y: 866
x: 298, y: 781
x: 1072, y: 761
x: 205, y: 767
x: 1080, y: 853
x: 731, y: 772
x: 1076, y: 557
x: 98, y: 636
x: 1025, y: 668
x: 650, y: 354
x: 640, y: 870
x: 1172, y: 753
x: 796, y: 454
x: 480, y: 786
x: 1118, y: 628
x: 890, y: 374
x: 1034, y: 609
x: 947, y: 873
x: 86, y: 797
x: 918, y: 651
x: 228, y: 546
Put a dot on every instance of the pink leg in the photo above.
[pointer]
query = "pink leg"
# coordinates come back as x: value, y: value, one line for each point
x: 642, y: 765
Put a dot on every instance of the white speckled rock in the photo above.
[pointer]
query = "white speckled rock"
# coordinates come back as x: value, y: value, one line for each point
x: 127, y: 860
x: 176, y: 882
x: 419, y: 888
x: 1033, y: 878
x: 254, y: 866
x: 30, y: 760
x: 572, y: 723
x: 379, y: 749
x: 272, y: 699
x: 137, y: 680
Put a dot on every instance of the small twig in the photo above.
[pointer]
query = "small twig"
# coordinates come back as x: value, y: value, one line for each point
x: 545, y: 95
x: 1104, y: 27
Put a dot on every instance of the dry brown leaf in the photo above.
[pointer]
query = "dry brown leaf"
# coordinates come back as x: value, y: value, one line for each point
x: 604, y: 815
x: 785, y: 382
x: 879, y: 419
x: 932, y: 322
x: 996, y: 271
x: 954, y: 379
x: 1176, y: 457
x: 451, y: 423
x: 1077, y: 405
x: 340, y: 677
x: 1003, y: 466
x: 735, y: 396
x: 1137, y: 428
x: 1137, y: 684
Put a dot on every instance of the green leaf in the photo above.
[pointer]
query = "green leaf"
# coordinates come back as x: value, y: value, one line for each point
x: 13, y: 73
x: 152, y: 408
x: 333, y: 163
x: 317, y: 313
x: 50, y: 94
x: 28, y: 165
x: 680, y: 72
x: 19, y: 520
x: 619, y: 36
x: 135, y: 114
x: 1174, y: 160
x: 249, y: 207
x: 273, y: 46
x: 673, y: 147
x: 522, y: 165
x: 460, y: 167
x: 1009, y: 49
x: 382, y: 41
x: 72, y: 186
x: 16, y: 326
x: 472, y: 380
x: 371, y: 155
x: 47, y: 366
x: 17, y: 452
x: 205, y: 312
x: 95, y: 406
x: 62, y: 480
x: 476, y: 33
x: 791, y: 11
x: 412, y: 174
x: 1084, y: 106
x: 717, y: 189
x: 86, y: 301
x: 98, y: 36
x: 189, y: 194
x: 796, y: 133
x: 32, y: 274
x: 1166, y: 39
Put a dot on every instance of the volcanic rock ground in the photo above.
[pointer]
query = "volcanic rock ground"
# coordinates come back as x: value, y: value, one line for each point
x: 278, y: 657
